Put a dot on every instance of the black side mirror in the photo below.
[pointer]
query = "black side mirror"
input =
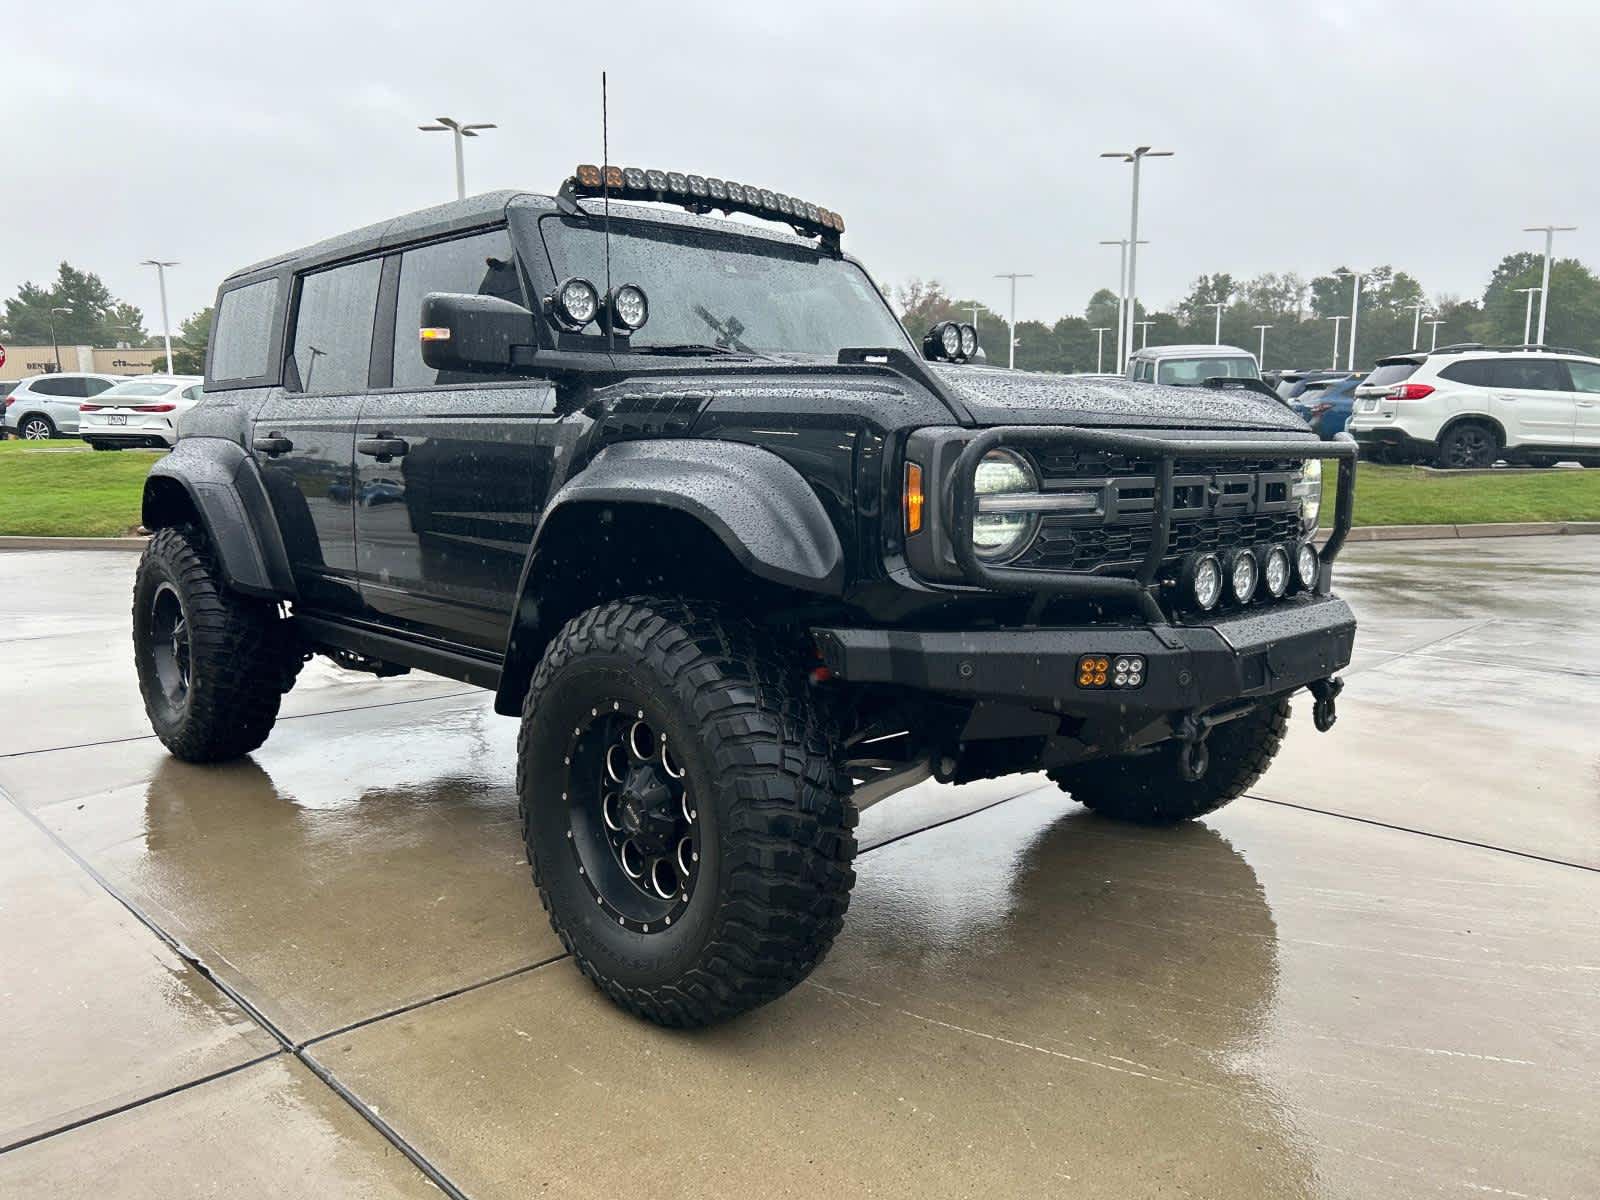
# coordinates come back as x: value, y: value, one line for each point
x: 474, y: 333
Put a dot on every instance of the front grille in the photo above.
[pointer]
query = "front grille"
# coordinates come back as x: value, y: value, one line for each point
x: 1217, y: 504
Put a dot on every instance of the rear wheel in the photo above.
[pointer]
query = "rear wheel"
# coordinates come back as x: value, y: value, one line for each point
x: 689, y: 831
x: 1469, y: 444
x: 1150, y: 789
x: 213, y: 665
x: 36, y: 428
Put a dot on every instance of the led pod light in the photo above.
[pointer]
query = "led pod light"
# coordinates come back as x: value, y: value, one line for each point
x: 628, y: 307
x: 1277, y: 573
x: 1201, y: 580
x: 1243, y: 575
x: 1307, y: 566
x: 950, y: 341
x: 577, y: 302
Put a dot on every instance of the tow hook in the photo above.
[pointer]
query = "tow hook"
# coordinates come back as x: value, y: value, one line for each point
x: 1325, y: 713
x: 1193, y: 759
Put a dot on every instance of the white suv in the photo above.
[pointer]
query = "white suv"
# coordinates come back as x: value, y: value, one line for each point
x: 46, y: 406
x: 1469, y: 406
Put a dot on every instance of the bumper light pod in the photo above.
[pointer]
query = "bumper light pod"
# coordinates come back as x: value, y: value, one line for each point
x: 1202, y: 580
x: 1276, y: 572
x: 1243, y: 575
x: 1307, y: 566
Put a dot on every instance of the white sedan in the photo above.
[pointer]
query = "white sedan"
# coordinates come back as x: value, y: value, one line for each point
x: 138, y: 412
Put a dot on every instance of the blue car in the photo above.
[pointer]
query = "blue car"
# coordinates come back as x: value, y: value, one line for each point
x: 1326, y: 404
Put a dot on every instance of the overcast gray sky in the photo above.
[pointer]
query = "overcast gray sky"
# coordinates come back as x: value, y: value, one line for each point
x: 955, y: 144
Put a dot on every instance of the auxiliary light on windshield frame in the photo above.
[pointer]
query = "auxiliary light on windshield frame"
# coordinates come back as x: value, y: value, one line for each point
x: 703, y: 194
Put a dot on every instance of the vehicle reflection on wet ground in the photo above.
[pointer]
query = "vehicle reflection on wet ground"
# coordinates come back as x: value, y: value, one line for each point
x: 1376, y: 976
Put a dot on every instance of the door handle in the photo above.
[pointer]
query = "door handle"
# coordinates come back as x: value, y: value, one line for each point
x: 1586, y: 403
x: 383, y: 447
x: 273, y: 444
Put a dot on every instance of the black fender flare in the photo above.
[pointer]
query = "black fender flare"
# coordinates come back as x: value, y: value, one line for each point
x: 224, y: 486
x: 758, y: 506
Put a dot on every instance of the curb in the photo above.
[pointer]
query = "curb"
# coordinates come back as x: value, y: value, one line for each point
x: 24, y: 542
x: 1418, y: 533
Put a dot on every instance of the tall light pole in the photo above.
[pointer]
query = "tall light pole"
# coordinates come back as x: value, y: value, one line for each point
x: 1527, y: 317
x: 1135, y: 156
x: 54, y: 344
x: 1219, y: 305
x: 1416, y: 321
x: 1336, y: 323
x: 1144, y: 332
x: 1549, y: 232
x: 451, y: 125
x: 1122, y: 294
x: 1261, y: 355
x: 1013, y: 276
x: 1355, y: 308
x: 1099, y: 332
x: 1434, y: 325
x: 166, y: 325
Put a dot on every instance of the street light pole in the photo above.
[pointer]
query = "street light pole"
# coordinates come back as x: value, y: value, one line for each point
x: 54, y: 344
x: 1219, y: 306
x: 1136, y: 157
x: 1549, y: 232
x: 1144, y: 333
x: 166, y: 325
x: 1261, y: 355
x: 1013, y: 276
x: 1434, y: 325
x: 1355, y: 308
x: 1099, y: 332
x: 1122, y: 293
x: 451, y: 125
x: 1336, y: 323
x: 1527, y: 317
x: 1416, y: 321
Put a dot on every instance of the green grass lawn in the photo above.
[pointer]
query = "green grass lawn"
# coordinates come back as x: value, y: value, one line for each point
x: 63, y: 488
x: 1410, y: 496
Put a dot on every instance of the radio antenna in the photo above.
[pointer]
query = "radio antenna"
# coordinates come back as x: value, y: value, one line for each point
x: 605, y: 193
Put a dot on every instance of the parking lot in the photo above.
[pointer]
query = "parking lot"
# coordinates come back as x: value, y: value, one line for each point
x: 324, y: 970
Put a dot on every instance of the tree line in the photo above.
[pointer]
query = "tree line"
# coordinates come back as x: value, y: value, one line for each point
x: 1299, y: 312
x: 77, y: 309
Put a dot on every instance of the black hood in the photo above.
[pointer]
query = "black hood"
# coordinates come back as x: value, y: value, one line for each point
x: 1000, y: 397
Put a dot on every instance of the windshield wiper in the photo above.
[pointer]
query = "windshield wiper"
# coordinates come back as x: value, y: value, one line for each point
x: 695, y: 349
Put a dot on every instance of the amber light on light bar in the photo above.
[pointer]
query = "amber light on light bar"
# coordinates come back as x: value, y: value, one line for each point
x: 702, y: 193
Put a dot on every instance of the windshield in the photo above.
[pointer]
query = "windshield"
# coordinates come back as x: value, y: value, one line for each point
x: 138, y: 387
x: 743, y: 294
x: 1197, y: 370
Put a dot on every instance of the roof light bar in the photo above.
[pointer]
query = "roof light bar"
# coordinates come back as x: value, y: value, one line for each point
x: 702, y: 194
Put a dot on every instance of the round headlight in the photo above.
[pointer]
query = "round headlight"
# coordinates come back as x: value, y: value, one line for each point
x: 629, y: 308
x: 577, y: 302
x: 996, y: 532
x: 1243, y: 572
x: 1202, y: 579
x: 1306, y: 565
x: 1275, y: 571
x: 1309, y: 490
x: 969, y: 341
x: 950, y: 339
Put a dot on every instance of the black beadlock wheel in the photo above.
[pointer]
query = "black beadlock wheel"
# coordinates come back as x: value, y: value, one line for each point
x: 687, y: 825
x: 1150, y: 789
x: 213, y: 665
x: 1468, y: 445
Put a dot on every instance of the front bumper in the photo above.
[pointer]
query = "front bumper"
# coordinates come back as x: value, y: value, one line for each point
x: 1258, y: 652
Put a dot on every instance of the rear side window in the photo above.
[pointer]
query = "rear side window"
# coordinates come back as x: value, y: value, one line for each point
x: 93, y: 387
x: 58, y: 387
x: 333, y: 327
x: 481, y: 265
x: 193, y: 393
x: 1529, y: 375
x: 1473, y: 373
x: 241, y: 336
x: 1585, y: 376
x: 1388, y: 374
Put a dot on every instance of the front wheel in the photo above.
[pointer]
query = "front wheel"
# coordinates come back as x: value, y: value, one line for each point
x: 688, y: 828
x: 1150, y: 789
x: 213, y: 665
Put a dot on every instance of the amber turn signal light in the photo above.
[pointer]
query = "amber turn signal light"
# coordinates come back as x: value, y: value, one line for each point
x: 914, y: 498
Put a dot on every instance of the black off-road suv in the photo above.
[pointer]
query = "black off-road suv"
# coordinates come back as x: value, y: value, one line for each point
x: 742, y: 556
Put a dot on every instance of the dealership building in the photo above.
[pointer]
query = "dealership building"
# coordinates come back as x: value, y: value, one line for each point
x: 22, y: 361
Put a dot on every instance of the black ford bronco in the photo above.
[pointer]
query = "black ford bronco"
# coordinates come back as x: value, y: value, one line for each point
x: 741, y: 555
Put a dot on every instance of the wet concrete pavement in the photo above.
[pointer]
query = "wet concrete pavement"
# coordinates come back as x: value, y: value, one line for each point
x: 1375, y: 977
